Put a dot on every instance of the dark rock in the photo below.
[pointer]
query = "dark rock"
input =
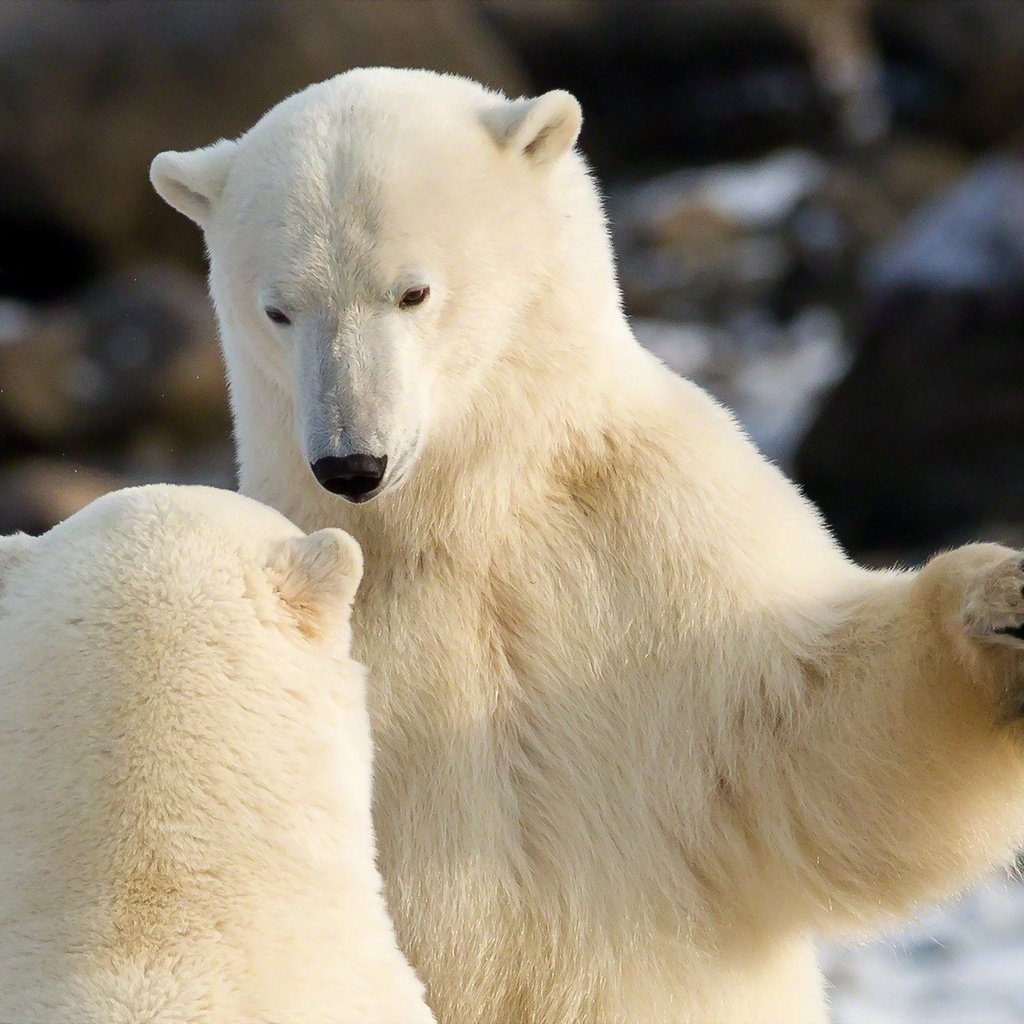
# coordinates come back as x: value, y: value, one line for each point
x: 953, y: 68
x: 665, y: 84
x: 131, y: 348
x: 923, y: 442
x: 706, y: 242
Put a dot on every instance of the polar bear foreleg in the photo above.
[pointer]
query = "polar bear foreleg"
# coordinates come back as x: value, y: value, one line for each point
x: 903, y: 775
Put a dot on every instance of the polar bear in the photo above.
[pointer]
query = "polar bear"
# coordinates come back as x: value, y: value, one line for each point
x: 185, y: 832
x: 642, y: 727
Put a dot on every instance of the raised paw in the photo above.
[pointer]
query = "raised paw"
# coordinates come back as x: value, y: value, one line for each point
x: 993, y: 607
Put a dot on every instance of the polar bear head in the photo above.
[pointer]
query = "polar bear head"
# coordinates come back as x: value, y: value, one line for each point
x: 181, y: 727
x: 376, y: 240
x: 163, y: 552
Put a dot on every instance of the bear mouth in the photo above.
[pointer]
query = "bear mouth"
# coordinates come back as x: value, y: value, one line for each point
x: 356, y: 489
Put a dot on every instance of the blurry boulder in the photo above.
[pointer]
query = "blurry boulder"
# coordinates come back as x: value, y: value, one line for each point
x: 711, y: 80
x: 37, y: 494
x: 670, y: 83
x: 953, y: 68
x: 134, y: 347
x: 923, y: 441
x: 755, y: 195
x: 713, y: 240
x: 151, y: 342
x: 972, y: 236
x: 879, y: 191
x: 783, y: 231
x: 90, y: 92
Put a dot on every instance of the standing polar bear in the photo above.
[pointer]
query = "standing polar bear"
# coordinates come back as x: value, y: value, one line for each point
x: 185, y: 774
x: 642, y: 727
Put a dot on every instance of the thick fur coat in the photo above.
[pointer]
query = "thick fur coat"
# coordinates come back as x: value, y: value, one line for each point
x: 185, y: 774
x: 643, y: 728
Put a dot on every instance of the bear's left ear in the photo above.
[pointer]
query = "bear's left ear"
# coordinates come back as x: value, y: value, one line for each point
x: 541, y: 129
x: 317, y: 576
x: 192, y: 182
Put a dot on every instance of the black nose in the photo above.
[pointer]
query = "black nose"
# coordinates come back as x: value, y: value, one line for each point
x: 355, y: 477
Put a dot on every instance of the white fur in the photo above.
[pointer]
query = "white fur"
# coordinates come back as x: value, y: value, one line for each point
x: 642, y: 727
x: 185, y: 774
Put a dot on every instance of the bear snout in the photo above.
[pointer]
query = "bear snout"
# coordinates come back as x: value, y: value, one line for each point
x: 355, y: 477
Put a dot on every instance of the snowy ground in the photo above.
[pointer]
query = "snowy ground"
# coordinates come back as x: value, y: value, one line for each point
x: 962, y: 964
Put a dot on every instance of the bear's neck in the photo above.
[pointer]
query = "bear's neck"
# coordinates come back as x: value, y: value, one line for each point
x: 554, y: 388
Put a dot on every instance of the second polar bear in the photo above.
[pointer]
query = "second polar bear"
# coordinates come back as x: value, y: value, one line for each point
x: 642, y: 727
x: 185, y: 774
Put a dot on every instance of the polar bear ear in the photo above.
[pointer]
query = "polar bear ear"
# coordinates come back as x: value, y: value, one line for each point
x: 541, y: 129
x: 317, y: 576
x: 191, y: 182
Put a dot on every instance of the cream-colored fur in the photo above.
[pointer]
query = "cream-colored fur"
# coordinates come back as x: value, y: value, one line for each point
x: 185, y: 774
x: 642, y: 727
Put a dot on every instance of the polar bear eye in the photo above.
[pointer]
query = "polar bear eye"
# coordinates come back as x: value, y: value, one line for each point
x: 413, y: 297
x: 277, y: 316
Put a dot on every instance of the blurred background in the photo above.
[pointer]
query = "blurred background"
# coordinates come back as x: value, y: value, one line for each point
x: 818, y: 207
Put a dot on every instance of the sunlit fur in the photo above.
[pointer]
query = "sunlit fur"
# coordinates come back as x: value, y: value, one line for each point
x: 185, y: 774
x: 642, y: 727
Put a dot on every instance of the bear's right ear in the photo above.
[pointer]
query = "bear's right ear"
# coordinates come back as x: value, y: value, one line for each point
x: 317, y: 576
x: 542, y: 129
x: 191, y: 182
x: 14, y: 550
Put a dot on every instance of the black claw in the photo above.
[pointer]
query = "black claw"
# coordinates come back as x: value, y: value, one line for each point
x: 1015, y: 631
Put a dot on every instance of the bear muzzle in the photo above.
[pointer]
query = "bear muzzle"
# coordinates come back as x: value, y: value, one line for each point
x: 355, y: 477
